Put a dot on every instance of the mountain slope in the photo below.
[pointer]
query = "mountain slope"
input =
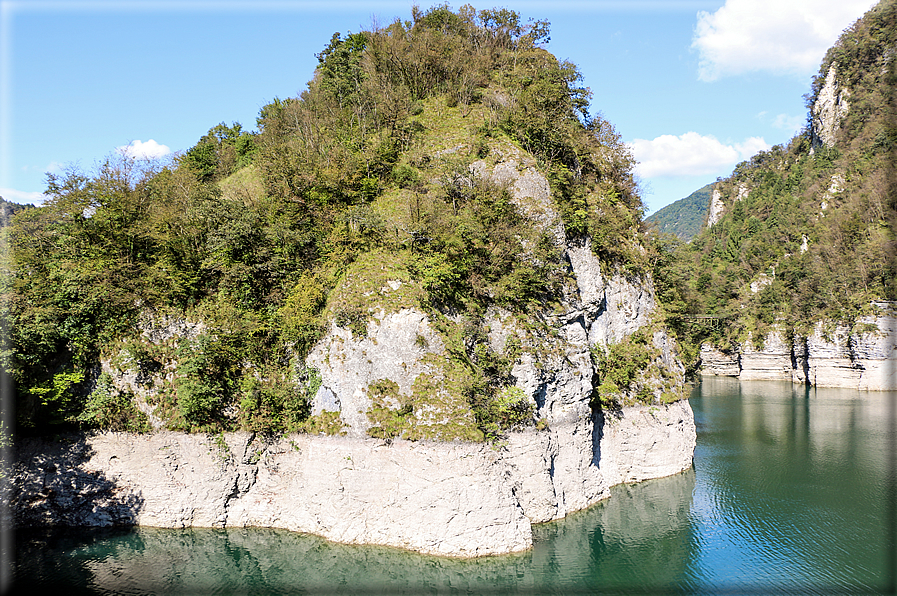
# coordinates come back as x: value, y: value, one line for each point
x: 685, y: 217
x: 804, y: 232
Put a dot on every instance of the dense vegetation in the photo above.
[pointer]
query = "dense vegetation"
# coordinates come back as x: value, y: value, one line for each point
x: 685, y: 217
x: 8, y: 209
x: 260, y: 237
x: 808, y: 230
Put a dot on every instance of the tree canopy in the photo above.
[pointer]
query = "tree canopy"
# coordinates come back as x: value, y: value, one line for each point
x: 259, y: 234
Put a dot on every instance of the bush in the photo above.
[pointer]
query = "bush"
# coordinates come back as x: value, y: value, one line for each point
x: 620, y: 366
x: 391, y: 414
x: 201, y: 382
x: 110, y: 409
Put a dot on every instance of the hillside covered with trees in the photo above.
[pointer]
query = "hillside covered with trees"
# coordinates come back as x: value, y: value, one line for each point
x: 259, y: 238
x: 807, y: 228
x: 685, y: 217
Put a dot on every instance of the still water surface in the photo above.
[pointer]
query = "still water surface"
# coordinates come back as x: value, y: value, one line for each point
x: 792, y: 491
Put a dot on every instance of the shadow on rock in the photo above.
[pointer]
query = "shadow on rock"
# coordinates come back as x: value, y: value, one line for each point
x: 53, y: 485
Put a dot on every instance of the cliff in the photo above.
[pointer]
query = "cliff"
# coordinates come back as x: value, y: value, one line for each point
x: 453, y: 499
x: 831, y: 355
x: 394, y: 380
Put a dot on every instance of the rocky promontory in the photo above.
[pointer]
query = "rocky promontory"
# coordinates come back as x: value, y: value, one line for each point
x: 398, y: 456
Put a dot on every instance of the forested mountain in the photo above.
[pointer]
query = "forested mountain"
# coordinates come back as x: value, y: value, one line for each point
x: 253, y: 243
x: 684, y: 217
x: 8, y: 209
x: 804, y: 232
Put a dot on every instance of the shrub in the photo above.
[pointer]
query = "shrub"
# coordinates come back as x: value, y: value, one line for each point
x: 108, y: 408
x: 391, y: 413
x: 201, y: 382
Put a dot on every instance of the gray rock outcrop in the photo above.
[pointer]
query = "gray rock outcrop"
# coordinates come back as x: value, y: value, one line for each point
x: 555, y: 368
x: 717, y: 208
x: 829, y: 109
x: 863, y: 357
x: 453, y: 499
x: 716, y: 362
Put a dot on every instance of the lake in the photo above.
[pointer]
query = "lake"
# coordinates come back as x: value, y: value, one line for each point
x: 792, y: 490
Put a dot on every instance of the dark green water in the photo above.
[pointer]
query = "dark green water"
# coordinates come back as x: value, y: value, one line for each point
x: 791, y: 492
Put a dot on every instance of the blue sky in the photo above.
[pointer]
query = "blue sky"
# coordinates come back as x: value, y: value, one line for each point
x: 694, y: 86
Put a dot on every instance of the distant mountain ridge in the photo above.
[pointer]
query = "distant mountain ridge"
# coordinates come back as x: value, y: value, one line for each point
x: 685, y: 217
x: 8, y: 209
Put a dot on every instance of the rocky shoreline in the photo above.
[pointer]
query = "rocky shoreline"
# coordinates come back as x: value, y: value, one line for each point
x: 830, y: 356
x: 442, y: 498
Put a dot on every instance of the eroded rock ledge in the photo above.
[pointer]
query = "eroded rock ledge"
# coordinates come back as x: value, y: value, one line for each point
x: 832, y: 355
x: 441, y: 498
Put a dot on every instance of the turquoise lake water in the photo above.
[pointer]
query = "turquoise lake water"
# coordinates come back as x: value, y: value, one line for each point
x: 792, y: 491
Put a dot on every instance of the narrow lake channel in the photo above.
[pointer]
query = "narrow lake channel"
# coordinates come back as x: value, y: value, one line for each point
x: 792, y: 491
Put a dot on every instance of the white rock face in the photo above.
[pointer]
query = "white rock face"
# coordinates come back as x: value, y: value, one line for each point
x: 647, y: 442
x: 830, y: 108
x: 716, y: 208
x: 831, y: 356
x: 866, y: 360
x: 453, y: 499
x: 516, y: 171
x: 772, y: 362
x: 716, y: 363
x: 393, y: 349
x: 761, y: 282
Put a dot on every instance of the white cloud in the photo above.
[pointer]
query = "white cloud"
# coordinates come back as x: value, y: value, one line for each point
x: 20, y: 196
x: 690, y: 154
x: 140, y: 150
x: 54, y: 167
x: 781, y: 36
x: 788, y: 123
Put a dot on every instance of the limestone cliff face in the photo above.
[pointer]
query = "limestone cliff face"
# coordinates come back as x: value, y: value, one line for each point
x: 554, y: 367
x: 829, y: 109
x: 392, y: 373
x: 832, y: 355
x: 716, y: 362
x: 716, y: 209
x: 717, y: 206
x: 453, y: 499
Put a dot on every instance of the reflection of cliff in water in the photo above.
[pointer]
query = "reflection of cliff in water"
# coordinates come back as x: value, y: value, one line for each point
x: 641, y: 536
x: 768, y: 494
x: 834, y: 430
x: 641, y: 532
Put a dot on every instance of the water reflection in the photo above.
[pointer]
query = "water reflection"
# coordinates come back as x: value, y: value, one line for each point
x: 790, y: 491
x: 639, y: 537
x: 793, y: 486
